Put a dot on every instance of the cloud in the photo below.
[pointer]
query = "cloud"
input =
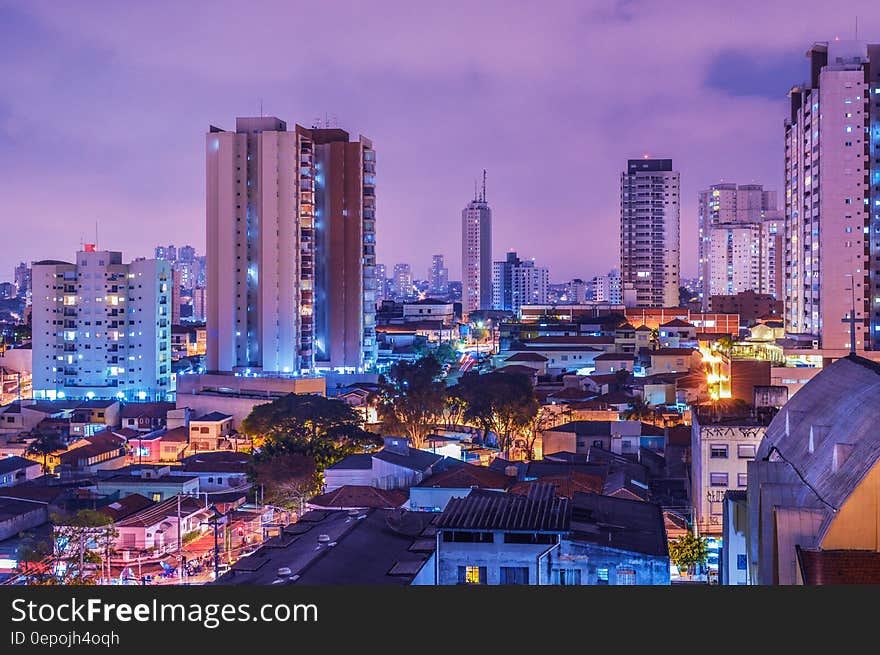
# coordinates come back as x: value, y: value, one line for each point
x: 104, y: 107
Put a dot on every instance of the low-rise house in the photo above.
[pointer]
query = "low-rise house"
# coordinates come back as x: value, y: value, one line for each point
x: 93, y: 416
x: 100, y: 452
x: 147, y: 416
x: 533, y: 360
x: 154, y: 528
x: 396, y: 466
x: 674, y: 360
x: 159, y: 446
x: 499, y: 538
x: 580, y: 436
x: 613, y: 362
x: 153, y: 481
x: 218, y: 471
x: 15, y: 470
x: 18, y: 515
x: 677, y: 333
x: 210, y: 431
x: 434, y: 493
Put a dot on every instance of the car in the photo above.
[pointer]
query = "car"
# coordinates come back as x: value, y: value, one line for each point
x: 284, y: 572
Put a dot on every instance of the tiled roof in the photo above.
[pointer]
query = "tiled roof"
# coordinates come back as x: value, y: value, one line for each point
x: 673, y: 351
x: 218, y: 461
x: 839, y: 567
x: 581, y: 340
x: 468, y: 475
x: 618, y: 523
x: 160, y: 511
x: 540, y: 510
x: 517, y: 368
x: 415, y: 460
x: 146, y: 410
x: 358, y: 496
x: 354, y: 462
x: 564, y: 486
x: 677, y: 322
x: 616, y: 357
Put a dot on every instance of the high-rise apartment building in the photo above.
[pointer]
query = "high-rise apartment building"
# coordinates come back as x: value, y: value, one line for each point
x: 22, y: 278
x: 577, y: 291
x: 345, y: 250
x: 290, y: 257
x: 438, y: 277
x: 476, y: 253
x: 176, y: 286
x: 381, y: 283
x: 101, y: 328
x: 199, y: 306
x: 402, y: 282
x: 739, y: 241
x: 517, y: 282
x: 649, y: 232
x: 832, y: 198
x: 607, y: 288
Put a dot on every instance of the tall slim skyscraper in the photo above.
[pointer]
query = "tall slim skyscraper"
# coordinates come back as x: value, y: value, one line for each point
x: 739, y: 240
x: 832, y: 198
x: 649, y: 232
x: 517, y: 282
x: 290, y: 258
x: 345, y: 250
x: 101, y: 328
x: 402, y: 282
x: 438, y: 277
x: 476, y: 253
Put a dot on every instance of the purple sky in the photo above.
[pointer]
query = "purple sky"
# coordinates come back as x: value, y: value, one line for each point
x: 104, y: 105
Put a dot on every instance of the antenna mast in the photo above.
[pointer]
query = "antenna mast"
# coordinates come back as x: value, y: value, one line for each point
x: 483, y: 198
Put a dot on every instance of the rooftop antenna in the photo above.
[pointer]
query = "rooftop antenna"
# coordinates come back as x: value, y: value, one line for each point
x: 476, y: 195
x: 851, y: 319
x: 261, y: 107
x: 483, y: 197
x: 857, y: 27
x: 96, y: 235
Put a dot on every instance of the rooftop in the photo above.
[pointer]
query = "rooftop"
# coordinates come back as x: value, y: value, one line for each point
x: 526, y: 357
x: 222, y: 461
x: 540, y: 510
x: 354, y: 462
x: 213, y: 417
x: 415, y: 459
x: 15, y: 463
x: 119, y: 509
x: 373, y: 547
x: 360, y: 496
x: 630, y: 525
x: 615, y: 357
x: 466, y: 476
x: 146, y: 410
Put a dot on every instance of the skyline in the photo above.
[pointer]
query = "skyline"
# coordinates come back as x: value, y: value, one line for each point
x: 114, y: 117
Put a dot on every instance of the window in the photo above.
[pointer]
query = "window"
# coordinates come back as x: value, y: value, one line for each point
x: 741, y: 563
x: 514, y: 575
x: 626, y: 576
x: 745, y: 451
x: 601, y: 576
x: 565, y: 577
x: 716, y: 508
x: 718, y: 479
x: 529, y: 538
x: 468, y: 537
x: 156, y: 496
x: 742, y: 479
x: 718, y: 451
x: 471, y: 575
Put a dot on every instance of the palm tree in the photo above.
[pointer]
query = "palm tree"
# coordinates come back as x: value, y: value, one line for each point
x: 44, y: 445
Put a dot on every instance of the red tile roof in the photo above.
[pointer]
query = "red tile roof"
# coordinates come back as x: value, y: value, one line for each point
x: 839, y: 567
x: 616, y: 357
x: 466, y: 476
x: 564, y: 486
x: 677, y: 322
x: 360, y: 496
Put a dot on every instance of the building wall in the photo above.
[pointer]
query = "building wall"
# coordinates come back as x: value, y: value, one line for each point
x: 857, y: 524
x: 707, y: 497
x: 733, y: 568
x: 493, y: 556
x: 12, y: 526
x: 476, y: 256
x: 101, y: 328
x: 590, y: 558
x: 649, y: 232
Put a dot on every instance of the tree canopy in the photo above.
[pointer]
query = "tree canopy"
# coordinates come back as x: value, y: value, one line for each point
x: 411, y: 398
x: 687, y: 551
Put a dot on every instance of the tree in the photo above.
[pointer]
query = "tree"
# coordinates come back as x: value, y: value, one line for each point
x: 687, y: 551
x: 44, y: 445
x: 32, y: 558
x: 287, y: 477
x: 410, y: 399
x: 77, y: 538
x: 543, y: 420
x: 501, y: 403
x: 299, y: 416
x: 639, y: 410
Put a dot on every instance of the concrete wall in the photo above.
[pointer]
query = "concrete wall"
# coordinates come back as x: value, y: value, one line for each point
x: 10, y: 527
x: 493, y: 556
x: 590, y: 558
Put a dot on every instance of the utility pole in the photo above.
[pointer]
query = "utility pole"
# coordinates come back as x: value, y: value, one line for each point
x: 179, y: 543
